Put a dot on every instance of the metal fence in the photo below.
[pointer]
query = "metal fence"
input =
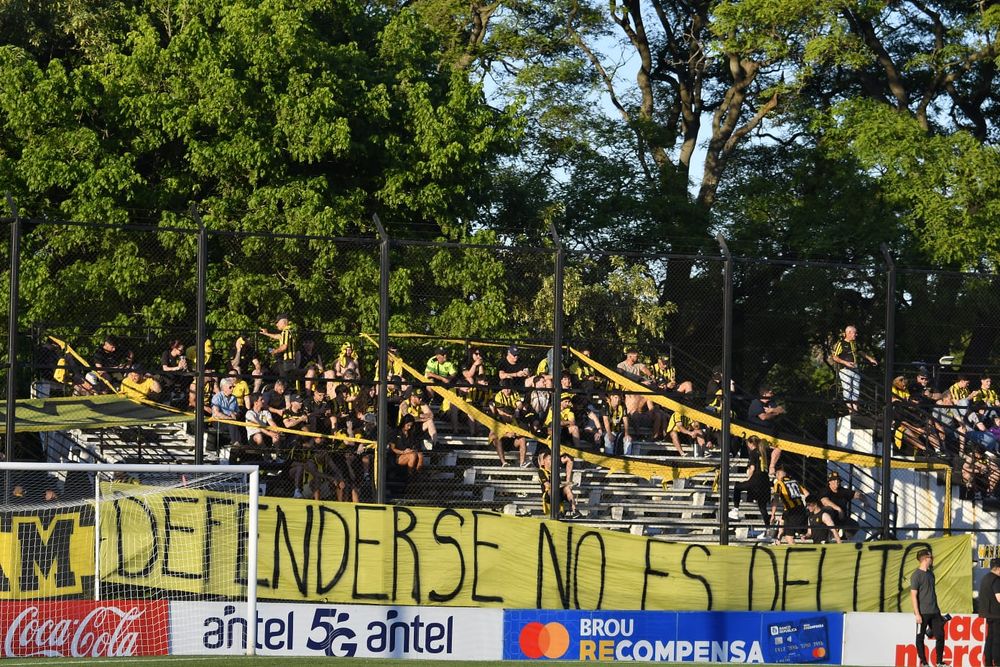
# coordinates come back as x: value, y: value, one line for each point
x: 735, y: 324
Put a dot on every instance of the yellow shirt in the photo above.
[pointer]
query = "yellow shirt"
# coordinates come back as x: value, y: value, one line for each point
x: 137, y: 390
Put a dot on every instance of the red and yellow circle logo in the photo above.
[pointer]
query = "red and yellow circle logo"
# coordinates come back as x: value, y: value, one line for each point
x: 550, y: 640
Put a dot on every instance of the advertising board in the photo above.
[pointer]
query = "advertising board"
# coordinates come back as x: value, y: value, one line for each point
x: 662, y: 636
x: 890, y: 639
x: 363, y: 631
x: 65, y: 628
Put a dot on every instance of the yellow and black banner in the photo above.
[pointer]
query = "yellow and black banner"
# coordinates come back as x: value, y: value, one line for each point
x: 191, y: 541
x: 88, y: 412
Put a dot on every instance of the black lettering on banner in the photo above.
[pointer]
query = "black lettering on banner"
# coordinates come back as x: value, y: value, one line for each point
x: 45, y: 554
x: 154, y: 552
x: 404, y: 535
x: 325, y: 587
x: 4, y: 580
x: 476, y: 543
x: 885, y: 548
x: 649, y: 572
x: 434, y: 596
x: 210, y: 523
x: 819, y: 578
x: 692, y: 575
x: 857, y: 573
x: 785, y: 581
x: 281, y: 535
x: 358, y: 541
x: 243, y: 530
x: 576, y: 568
x: 901, y: 583
x: 545, y: 537
x: 169, y: 528
x: 752, y: 578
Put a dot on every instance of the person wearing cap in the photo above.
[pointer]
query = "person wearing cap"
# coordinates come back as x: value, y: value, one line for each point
x: 848, y: 357
x: 514, y: 367
x: 988, y: 608
x: 416, y: 406
x: 665, y: 376
x: 90, y: 385
x: 442, y: 371
x: 284, y: 352
x: 835, y: 501
x: 139, y: 386
x: 108, y: 357
x: 923, y: 596
x: 295, y: 417
x: 569, y: 429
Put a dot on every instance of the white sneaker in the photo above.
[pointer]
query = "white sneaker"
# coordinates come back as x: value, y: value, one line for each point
x: 734, y: 514
x: 297, y: 494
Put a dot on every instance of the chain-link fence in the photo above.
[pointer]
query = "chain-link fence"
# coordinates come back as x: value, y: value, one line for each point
x: 288, y: 328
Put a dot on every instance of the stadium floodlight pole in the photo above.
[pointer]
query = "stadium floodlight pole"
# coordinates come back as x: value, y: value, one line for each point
x: 12, y: 316
x: 383, y: 363
x: 887, y: 408
x: 555, y: 487
x: 199, y: 380
x: 727, y: 393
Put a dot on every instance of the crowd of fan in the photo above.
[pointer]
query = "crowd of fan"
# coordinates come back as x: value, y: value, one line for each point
x: 315, y: 418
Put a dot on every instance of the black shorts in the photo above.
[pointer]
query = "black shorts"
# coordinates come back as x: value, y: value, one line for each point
x: 795, y: 521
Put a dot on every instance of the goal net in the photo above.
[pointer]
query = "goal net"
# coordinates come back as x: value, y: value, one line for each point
x: 94, y: 558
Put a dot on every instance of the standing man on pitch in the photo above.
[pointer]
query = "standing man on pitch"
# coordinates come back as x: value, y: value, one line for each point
x: 923, y: 594
x: 989, y: 609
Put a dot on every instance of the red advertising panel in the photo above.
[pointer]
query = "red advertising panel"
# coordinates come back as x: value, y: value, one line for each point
x: 84, y: 628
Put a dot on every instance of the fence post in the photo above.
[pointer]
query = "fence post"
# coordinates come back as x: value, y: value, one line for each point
x: 727, y: 394
x: 12, y: 316
x: 199, y: 380
x: 887, y: 408
x: 383, y: 362
x: 555, y: 488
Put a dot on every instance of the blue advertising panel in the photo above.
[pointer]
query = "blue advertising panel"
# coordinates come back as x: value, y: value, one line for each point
x: 662, y: 636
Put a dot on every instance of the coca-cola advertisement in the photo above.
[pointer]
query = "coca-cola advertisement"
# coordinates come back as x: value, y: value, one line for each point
x: 81, y: 628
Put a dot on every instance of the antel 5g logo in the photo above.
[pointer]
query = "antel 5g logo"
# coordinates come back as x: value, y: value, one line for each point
x: 550, y: 640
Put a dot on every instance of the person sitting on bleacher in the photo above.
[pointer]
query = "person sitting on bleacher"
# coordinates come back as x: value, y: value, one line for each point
x: 567, y: 422
x: 138, y: 385
x: 90, y: 385
x: 261, y: 432
x: 821, y: 528
x: 506, y: 408
x: 442, y: 371
x: 836, y: 501
x: 416, y: 406
x: 638, y: 372
x: 226, y: 406
x: 683, y: 425
x: 617, y: 440
x: 276, y: 400
x: 407, y: 446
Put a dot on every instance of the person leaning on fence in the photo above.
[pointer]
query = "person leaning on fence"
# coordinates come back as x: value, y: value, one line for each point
x: 988, y: 607
x: 848, y: 357
x: 923, y: 596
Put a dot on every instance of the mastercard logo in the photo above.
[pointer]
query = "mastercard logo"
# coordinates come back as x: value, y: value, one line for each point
x: 544, y: 641
x: 819, y: 652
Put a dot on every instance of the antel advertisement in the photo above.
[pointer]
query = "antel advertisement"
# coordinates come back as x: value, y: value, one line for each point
x: 739, y: 637
x: 363, y: 631
x: 890, y: 639
x: 76, y: 629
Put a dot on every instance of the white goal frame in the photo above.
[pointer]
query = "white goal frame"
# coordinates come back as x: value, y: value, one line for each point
x: 253, y: 501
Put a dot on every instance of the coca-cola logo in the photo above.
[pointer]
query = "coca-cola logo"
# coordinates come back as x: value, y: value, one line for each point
x: 105, y: 631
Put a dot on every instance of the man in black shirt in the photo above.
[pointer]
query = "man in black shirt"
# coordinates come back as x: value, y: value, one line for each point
x: 988, y: 605
x: 512, y: 367
x: 836, y: 502
x: 276, y: 400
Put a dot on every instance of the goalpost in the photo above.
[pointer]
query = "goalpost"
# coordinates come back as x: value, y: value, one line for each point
x: 94, y: 557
